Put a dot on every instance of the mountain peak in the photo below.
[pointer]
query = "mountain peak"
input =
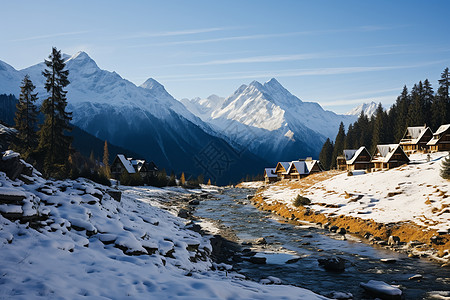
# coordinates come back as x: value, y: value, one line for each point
x: 152, y: 84
x: 273, y: 82
x: 368, y: 109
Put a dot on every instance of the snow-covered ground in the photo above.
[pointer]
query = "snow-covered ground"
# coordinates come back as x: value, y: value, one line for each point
x: 92, y: 246
x: 414, y: 192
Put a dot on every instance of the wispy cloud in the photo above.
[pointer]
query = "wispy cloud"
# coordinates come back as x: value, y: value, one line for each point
x: 292, y: 72
x: 174, y: 33
x: 49, y: 36
x: 261, y: 36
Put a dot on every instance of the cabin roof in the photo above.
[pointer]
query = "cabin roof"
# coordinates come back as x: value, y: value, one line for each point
x: 354, y: 155
x: 126, y: 163
x: 270, y: 172
x: 386, y: 151
x: 349, y: 153
x: 414, y: 134
x: 436, y: 137
x: 285, y: 166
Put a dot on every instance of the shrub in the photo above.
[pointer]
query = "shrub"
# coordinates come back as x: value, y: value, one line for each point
x: 445, y: 170
x: 349, y: 173
x: 300, y: 201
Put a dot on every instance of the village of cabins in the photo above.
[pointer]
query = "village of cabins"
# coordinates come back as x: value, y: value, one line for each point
x: 415, y: 139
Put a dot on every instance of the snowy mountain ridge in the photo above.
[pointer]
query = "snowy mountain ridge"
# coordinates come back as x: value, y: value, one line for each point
x: 268, y: 119
x: 369, y: 109
x: 145, y: 119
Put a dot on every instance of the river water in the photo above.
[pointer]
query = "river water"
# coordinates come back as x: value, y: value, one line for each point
x: 287, y: 241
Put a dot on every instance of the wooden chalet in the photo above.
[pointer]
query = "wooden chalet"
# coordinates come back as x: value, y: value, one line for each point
x: 357, y: 159
x: 282, y: 170
x: 270, y: 175
x: 302, y: 168
x: 123, y: 164
x: 389, y: 156
x: 440, y: 140
x: 416, y: 139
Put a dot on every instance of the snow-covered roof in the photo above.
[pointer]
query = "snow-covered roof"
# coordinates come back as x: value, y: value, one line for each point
x: 442, y: 128
x: 414, y: 134
x: 286, y: 165
x: 300, y: 166
x: 385, y: 152
x: 137, y: 164
x: 126, y: 163
x: 270, y: 172
x: 355, y: 155
x: 310, y: 164
x: 349, y: 153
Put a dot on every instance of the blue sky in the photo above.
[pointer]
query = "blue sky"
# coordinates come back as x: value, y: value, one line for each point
x: 336, y: 53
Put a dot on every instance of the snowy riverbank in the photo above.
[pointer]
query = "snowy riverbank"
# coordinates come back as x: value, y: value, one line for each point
x: 413, y: 195
x: 71, y: 239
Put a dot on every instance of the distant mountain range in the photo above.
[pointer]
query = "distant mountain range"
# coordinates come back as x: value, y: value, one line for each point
x: 223, y: 138
x: 269, y: 120
x: 369, y: 109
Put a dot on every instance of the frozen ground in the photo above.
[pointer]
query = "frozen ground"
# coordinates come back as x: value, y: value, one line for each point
x: 86, y: 244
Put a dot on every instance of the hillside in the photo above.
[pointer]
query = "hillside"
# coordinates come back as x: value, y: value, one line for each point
x: 412, y: 196
x: 71, y: 239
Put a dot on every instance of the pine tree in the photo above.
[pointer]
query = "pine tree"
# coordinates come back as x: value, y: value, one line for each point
x: 428, y: 99
x: 326, y: 154
x: 26, y: 119
x: 441, y: 103
x: 445, y: 170
x: 378, y: 129
x: 209, y: 182
x: 338, y: 144
x: 402, y: 104
x: 53, y: 143
x: 107, y: 171
x: 415, y: 110
x: 182, y: 179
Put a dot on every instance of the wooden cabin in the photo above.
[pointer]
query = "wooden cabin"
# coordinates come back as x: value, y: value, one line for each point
x: 440, y: 140
x: 132, y: 166
x: 270, y: 175
x: 302, y: 168
x: 282, y: 170
x: 389, y: 156
x: 341, y: 163
x: 358, y: 159
x: 416, y: 139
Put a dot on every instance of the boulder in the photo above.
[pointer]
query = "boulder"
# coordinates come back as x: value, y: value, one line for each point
x: 382, y: 289
x: 194, y: 202
x: 257, y: 260
x: 11, y: 164
x: 260, y: 241
x: 335, y: 264
x: 393, y: 240
x: 342, y: 231
x: 183, y: 213
x: 334, y: 228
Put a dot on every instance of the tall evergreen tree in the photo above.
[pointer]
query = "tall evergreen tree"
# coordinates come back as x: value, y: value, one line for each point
x: 326, y: 154
x: 338, y: 144
x: 106, y: 160
x: 402, y: 104
x: 53, y: 143
x: 441, y: 103
x: 415, y: 110
x: 428, y: 99
x: 26, y: 119
x: 378, y: 136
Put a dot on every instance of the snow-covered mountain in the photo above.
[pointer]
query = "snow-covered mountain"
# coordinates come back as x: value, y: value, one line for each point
x: 144, y: 119
x: 269, y: 120
x: 369, y: 109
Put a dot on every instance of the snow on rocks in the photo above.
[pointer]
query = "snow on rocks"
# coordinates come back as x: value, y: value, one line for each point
x: 83, y: 243
x: 382, y: 289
